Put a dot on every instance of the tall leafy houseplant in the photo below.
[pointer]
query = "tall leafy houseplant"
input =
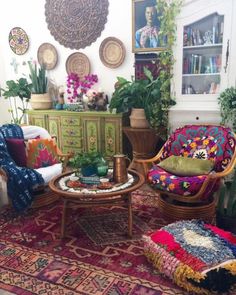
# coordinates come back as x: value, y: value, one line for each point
x: 15, y: 90
x: 226, y: 208
x: 227, y: 102
x: 137, y: 94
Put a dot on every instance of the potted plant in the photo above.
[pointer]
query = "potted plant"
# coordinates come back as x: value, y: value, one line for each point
x: 226, y: 207
x: 40, y: 98
x: 142, y: 94
x: 227, y: 102
x: 15, y: 90
x: 86, y: 162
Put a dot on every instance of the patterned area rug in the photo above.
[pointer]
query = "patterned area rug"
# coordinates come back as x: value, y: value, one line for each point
x: 96, y: 257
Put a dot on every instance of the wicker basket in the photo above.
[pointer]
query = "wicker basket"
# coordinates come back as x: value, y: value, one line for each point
x: 40, y: 101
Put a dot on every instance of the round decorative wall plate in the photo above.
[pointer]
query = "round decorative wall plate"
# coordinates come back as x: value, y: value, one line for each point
x: 78, y: 63
x: 78, y: 23
x: 18, y: 41
x: 112, y: 52
x: 47, y: 56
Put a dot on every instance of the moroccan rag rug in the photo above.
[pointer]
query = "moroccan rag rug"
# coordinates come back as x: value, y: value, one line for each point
x: 96, y: 257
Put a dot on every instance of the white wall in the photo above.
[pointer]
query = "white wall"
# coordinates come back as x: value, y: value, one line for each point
x: 29, y: 15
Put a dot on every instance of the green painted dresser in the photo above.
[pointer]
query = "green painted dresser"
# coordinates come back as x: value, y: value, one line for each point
x: 82, y: 131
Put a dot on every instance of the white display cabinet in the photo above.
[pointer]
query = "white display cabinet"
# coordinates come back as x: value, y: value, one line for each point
x: 202, y: 57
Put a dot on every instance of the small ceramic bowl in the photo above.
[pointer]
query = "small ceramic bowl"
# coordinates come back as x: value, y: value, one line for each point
x: 74, y: 178
x: 104, y: 180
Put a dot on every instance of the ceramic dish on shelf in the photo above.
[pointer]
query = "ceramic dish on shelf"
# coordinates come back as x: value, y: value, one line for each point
x: 112, y: 52
x: 18, y: 41
x: 78, y: 63
x: 47, y: 55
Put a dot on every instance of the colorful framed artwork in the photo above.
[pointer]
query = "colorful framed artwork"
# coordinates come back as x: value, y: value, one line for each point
x: 146, y: 27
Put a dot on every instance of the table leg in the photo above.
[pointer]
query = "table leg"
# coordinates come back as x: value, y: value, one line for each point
x: 63, y: 220
x: 130, y: 216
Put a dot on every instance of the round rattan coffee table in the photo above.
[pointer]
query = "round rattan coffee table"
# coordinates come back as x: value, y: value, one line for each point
x: 119, y: 194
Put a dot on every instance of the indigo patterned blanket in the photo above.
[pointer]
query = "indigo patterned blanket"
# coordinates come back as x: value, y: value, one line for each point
x: 21, y: 180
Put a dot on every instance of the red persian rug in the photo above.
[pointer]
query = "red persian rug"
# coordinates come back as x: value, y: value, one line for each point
x: 96, y: 257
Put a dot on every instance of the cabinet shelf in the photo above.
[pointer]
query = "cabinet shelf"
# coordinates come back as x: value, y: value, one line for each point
x: 204, y: 46
x: 202, y: 74
x: 202, y: 55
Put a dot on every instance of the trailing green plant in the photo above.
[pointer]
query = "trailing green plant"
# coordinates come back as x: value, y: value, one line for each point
x: 227, y: 102
x: 15, y: 90
x: 38, y: 78
x: 167, y: 13
x: 227, y: 198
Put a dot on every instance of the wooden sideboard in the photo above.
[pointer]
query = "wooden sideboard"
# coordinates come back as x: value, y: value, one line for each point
x: 82, y: 131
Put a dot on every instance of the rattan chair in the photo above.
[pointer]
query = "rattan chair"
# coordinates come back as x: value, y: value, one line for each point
x: 187, y: 197
x: 42, y: 194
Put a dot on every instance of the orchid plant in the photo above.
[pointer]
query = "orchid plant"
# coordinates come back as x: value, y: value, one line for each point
x: 76, y: 86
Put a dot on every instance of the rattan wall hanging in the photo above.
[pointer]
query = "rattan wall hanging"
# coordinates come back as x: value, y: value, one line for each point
x: 78, y: 23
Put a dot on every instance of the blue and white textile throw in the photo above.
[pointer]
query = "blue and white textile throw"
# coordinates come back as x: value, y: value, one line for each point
x: 21, y: 180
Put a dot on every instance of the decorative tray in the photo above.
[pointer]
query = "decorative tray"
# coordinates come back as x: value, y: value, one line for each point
x: 78, y: 63
x: 112, y: 52
x: 47, y: 55
x: 73, y: 183
x: 18, y: 41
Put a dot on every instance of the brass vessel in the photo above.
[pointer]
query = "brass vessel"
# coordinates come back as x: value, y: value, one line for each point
x: 120, y: 172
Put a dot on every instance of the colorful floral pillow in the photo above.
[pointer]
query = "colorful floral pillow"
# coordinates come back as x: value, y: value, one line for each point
x: 41, y: 153
x: 204, y: 148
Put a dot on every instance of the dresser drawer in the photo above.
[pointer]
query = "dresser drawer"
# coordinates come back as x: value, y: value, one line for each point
x: 70, y: 121
x: 71, y: 142
x: 71, y: 131
x: 67, y: 150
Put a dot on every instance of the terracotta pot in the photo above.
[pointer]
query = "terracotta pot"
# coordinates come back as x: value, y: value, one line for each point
x: 40, y: 101
x: 138, y: 119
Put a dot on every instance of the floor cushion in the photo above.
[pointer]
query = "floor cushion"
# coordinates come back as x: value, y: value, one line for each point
x: 198, y: 257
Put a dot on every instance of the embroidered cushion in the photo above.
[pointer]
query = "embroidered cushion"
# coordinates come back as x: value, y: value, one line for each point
x: 200, y: 148
x: 181, y: 185
x: 197, y: 256
x: 16, y: 149
x: 41, y: 153
x: 186, y: 166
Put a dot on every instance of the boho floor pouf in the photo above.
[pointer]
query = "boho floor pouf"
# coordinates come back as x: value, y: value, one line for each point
x: 198, y: 257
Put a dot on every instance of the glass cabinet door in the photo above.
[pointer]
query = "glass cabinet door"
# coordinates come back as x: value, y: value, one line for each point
x: 202, y: 55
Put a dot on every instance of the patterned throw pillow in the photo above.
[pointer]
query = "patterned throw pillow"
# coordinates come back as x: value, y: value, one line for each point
x: 16, y: 149
x: 204, y: 148
x: 41, y: 153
